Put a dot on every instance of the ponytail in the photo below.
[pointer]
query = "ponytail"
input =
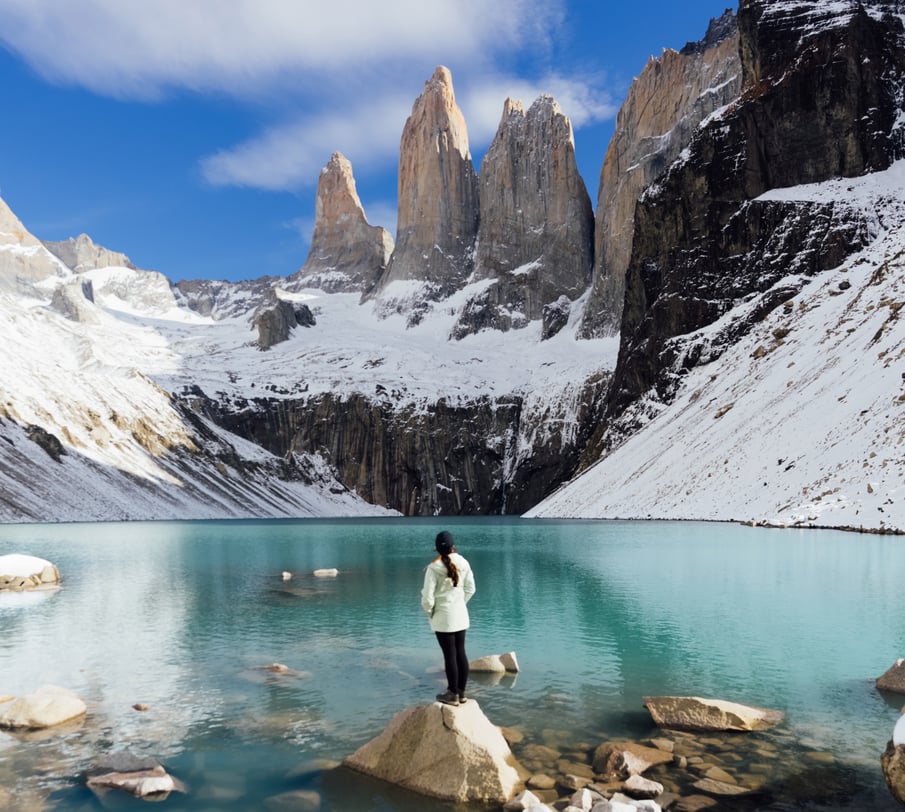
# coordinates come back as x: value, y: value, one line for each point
x: 451, y: 570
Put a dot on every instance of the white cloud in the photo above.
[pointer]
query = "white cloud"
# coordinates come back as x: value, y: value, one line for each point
x: 136, y: 48
x: 292, y: 155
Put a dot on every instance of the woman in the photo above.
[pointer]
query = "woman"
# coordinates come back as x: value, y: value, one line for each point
x: 448, y: 586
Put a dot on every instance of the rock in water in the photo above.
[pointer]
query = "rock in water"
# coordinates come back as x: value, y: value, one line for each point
x: 19, y: 572
x: 46, y: 707
x: 893, y: 679
x: 694, y: 713
x: 455, y: 754
x: 893, y: 763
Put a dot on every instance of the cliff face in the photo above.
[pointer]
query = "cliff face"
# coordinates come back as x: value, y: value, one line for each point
x: 663, y: 109
x: 438, y: 197
x: 536, y: 230
x: 481, y: 457
x: 820, y: 99
x: 346, y: 254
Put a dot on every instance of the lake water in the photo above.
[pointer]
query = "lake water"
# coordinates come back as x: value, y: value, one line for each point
x: 180, y: 617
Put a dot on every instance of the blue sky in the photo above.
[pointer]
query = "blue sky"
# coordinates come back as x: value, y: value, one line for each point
x: 189, y: 134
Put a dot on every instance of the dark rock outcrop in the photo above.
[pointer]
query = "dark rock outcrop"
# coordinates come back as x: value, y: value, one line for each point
x: 274, y: 323
x: 820, y: 99
x: 535, y: 240
x: 664, y: 107
x: 347, y: 253
x: 438, y: 198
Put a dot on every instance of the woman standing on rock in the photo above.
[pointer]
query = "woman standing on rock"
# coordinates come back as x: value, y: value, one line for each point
x: 448, y: 586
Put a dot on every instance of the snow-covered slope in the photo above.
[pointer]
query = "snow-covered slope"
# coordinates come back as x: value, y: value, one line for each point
x: 802, y: 422
x: 99, y: 367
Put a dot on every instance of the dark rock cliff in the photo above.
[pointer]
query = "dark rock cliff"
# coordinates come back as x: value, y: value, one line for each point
x: 481, y: 457
x: 820, y: 99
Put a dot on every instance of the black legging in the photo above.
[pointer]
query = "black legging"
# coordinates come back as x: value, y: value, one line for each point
x: 455, y: 660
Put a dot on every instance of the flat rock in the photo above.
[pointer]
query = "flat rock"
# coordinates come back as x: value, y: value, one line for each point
x: 138, y: 775
x: 453, y: 753
x: 721, y: 788
x: 46, y: 707
x: 695, y: 713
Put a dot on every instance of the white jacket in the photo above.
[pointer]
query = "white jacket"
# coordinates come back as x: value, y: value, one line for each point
x: 443, y: 602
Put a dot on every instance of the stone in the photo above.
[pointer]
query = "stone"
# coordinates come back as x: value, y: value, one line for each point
x: 695, y: 713
x: 137, y: 775
x: 694, y: 803
x: 326, y: 573
x: 626, y: 758
x: 495, y: 663
x: 540, y: 781
x: 524, y: 800
x: 892, y: 761
x: 347, y: 254
x: 48, y: 706
x: 637, y: 786
x: 893, y: 679
x: 452, y: 753
x: 438, y: 198
x: 721, y: 788
x: 275, y: 322
x: 18, y: 571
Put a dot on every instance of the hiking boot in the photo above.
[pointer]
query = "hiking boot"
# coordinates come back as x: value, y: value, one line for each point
x: 448, y: 698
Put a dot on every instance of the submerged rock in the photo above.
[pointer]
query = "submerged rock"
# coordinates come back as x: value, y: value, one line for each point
x: 624, y: 759
x: 695, y: 713
x: 136, y: 775
x: 453, y: 753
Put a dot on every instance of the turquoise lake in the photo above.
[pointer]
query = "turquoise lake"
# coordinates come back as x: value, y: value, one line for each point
x: 181, y: 616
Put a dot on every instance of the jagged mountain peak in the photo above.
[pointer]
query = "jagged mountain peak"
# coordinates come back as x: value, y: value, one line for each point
x: 82, y: 254
x: 346, y: 253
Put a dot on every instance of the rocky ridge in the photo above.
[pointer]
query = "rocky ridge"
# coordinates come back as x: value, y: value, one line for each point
x: 664, y: 108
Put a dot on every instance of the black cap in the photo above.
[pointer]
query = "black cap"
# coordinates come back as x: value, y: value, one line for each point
x: 444, y: 542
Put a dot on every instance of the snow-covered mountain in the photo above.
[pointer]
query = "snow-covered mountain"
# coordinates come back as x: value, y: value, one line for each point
x: 757, y: 376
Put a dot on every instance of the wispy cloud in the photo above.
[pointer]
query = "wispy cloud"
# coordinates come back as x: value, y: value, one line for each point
x: 326, y: 75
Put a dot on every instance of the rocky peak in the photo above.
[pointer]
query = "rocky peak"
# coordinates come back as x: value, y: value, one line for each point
x: 21, y: 269
x: 83, y: 254
x: 664, y: 107
x: 535, y: 239
x: 438, y: 197
x: 347, y: 254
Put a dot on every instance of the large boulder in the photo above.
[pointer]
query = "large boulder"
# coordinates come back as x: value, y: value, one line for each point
x: 20, y: 572
x: 695, y: 713
x: 893, y: 679
x: 453, y: 753
x: 46, y: 707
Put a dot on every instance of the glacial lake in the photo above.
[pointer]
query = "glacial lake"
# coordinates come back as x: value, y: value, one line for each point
x: 180, y: 617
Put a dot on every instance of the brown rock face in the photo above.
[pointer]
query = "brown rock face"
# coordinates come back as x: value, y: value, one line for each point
x: 535, y: 238
x: 438, y: 195
x: 347, y: 254
x: 663, y: 108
